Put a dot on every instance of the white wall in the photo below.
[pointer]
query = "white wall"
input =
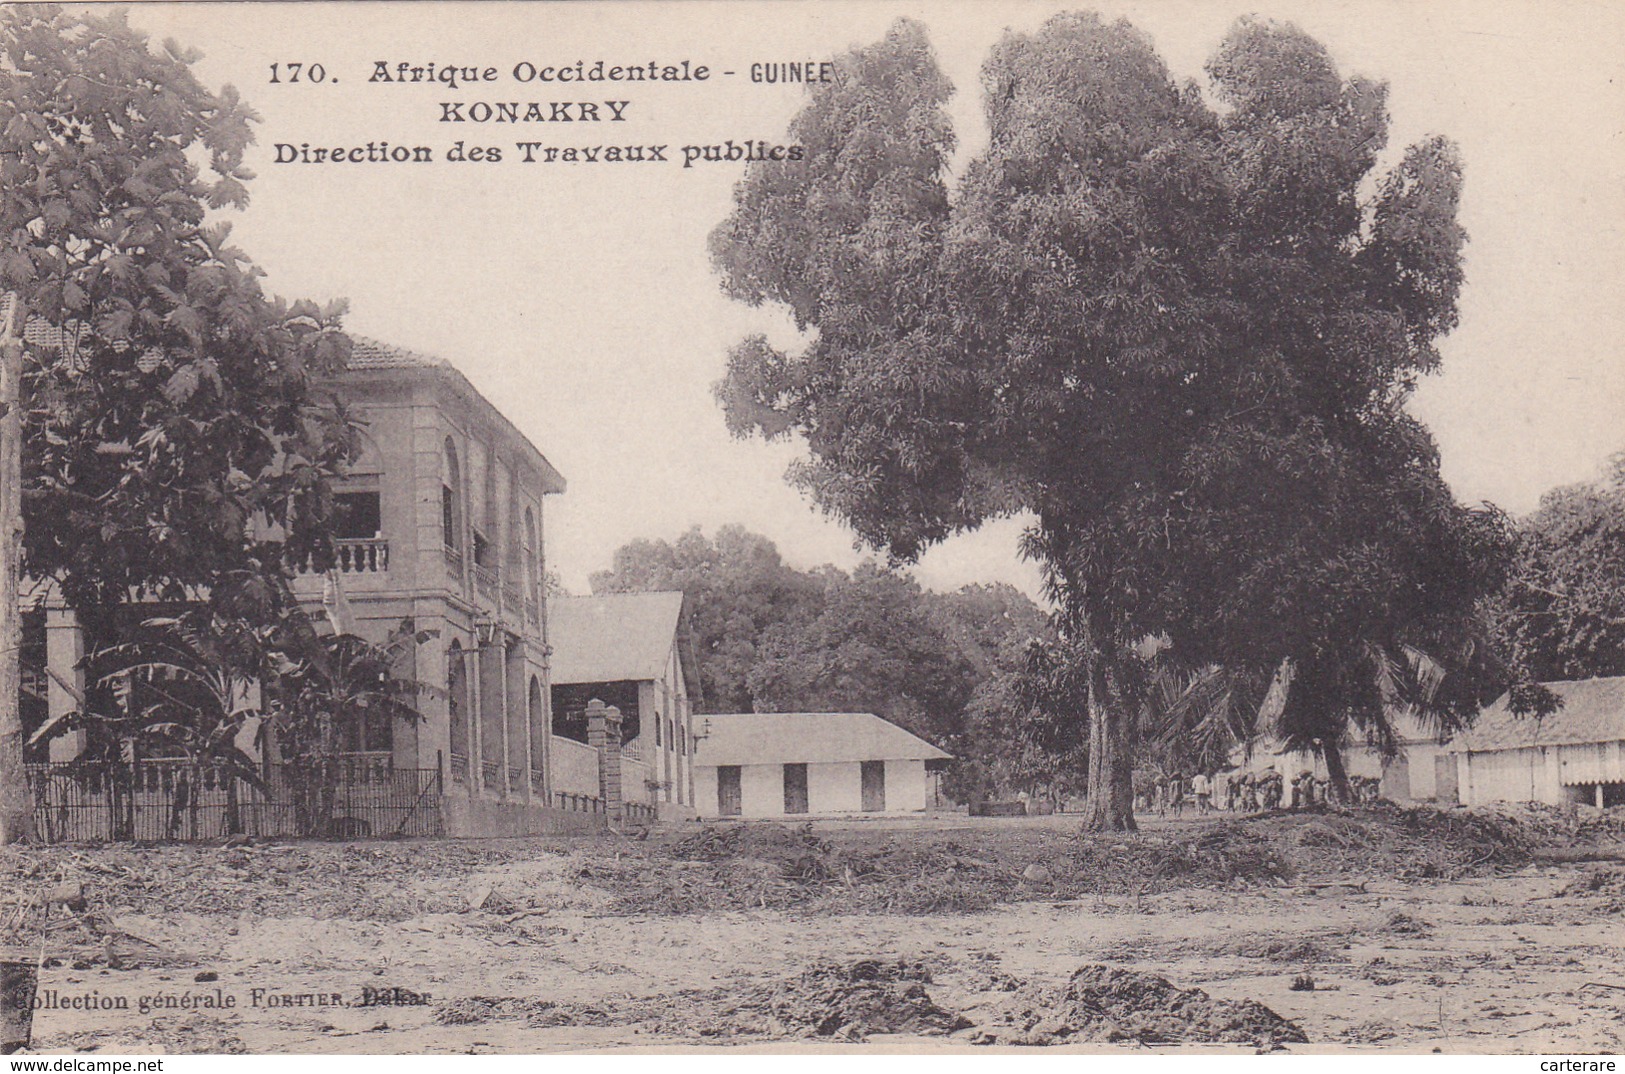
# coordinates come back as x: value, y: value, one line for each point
x: 831, y: 788
x: 1549, y: 774
x: 834, y: 787
x: 761, y: 790
x: 1524, y: 775
x: 635, y: 777
x: 575, y: 767
x: 705, y: 790
x: 905, y: 786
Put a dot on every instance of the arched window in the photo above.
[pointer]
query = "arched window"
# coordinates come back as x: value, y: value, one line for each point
x: 457, y: 709
x: 530, y: 575
x: 451, y: 506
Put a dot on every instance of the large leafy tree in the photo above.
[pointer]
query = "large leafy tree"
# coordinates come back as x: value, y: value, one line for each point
x: 1180, y: 327
x: 1563, y: 609
x: 873, y: 645
x: 174, y: 446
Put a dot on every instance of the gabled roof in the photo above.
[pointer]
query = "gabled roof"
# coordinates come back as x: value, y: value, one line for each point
x: 806, y: 738
x: 612, y: 638
x: 1593, y: 711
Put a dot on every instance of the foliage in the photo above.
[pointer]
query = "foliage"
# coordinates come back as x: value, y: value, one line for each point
x: 1180, y: 329
x: 871, y: 646
x: 330, y: 692
x: 735, y: 587
x: 1563, y: 608
x: 175, y: 687
x: 775, y: 638
x: 174, y: 443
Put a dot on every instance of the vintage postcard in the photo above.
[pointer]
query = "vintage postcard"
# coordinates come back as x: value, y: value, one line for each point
x: 860, y: 527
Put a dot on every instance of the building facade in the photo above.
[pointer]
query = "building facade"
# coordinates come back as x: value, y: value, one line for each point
x: 1573, y: 755
x: 629, y: 650
x: 792, y: 764
x: 440, y: 522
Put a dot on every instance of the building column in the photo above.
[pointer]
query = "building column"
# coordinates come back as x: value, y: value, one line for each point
x: 604, y: 735
x: 64, y: 655
x: 493, y: 716
x: 517, y: 721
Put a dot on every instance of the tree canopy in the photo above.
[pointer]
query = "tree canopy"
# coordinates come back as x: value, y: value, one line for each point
x: 171, y: 445
x: 774, y: 638
x: 1563, y: 610
x: 174, y: 442
x: 1179, y: 326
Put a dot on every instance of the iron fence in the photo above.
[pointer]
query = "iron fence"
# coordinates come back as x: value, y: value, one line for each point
x: 178, y: 801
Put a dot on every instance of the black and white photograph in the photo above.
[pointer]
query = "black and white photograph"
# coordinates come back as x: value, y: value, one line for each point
x: 850, y: 528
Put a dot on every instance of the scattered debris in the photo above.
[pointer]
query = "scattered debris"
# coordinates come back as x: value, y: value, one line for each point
x: 846, y: 1000
x: 1402, y: 924
x: 849, y: 1000
x: 1106, y: 1003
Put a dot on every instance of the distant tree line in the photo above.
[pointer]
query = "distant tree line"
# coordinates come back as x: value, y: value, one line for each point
x: 963, y: 670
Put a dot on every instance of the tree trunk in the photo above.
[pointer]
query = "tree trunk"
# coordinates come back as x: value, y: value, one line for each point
x: 16, y: 804
x: 1336, y: 773
x: 1109, y: 806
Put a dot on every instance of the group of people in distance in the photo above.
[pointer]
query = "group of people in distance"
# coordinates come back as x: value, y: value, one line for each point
x: 1244, y: 792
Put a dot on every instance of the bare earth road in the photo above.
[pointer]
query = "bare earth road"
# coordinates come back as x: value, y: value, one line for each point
x: 1386, y: 930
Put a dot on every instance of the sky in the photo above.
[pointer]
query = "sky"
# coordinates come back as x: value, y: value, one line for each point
x: 580, y: 298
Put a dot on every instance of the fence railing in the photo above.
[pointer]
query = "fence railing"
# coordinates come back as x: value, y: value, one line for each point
x: 355, y: 556
x: 177, y: 801
x: 578, y: 803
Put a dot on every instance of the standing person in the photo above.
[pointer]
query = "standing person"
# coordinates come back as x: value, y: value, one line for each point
x: 1270, y: 784
x: 1202, y: 785
x: 1160, y: 790
x: 1249, y: 792
x: 1176, y: 790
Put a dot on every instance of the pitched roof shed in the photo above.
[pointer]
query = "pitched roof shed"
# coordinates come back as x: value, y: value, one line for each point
x: 807, y: 738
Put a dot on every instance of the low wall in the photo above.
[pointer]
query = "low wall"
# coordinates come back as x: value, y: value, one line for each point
x: 485, y: 818
x: 635, y: 777
x: 575, y: 767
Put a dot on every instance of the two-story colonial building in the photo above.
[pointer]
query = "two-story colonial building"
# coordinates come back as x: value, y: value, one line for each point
x: 440, y: 522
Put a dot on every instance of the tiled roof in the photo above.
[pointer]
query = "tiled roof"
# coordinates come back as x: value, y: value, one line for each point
x: 806, y: 738
x: 373, y: 354
x: 612, y: 638
x: 1593, y: 711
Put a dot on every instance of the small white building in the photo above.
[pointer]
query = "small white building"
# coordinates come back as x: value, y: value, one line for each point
x: 776, y: 764
x: 1576, y: 754
x: 1420, y: 770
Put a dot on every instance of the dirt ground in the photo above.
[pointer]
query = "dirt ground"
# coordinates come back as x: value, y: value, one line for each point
x: 1386, y: 929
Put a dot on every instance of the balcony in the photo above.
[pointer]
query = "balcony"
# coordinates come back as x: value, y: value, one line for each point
x: 358, y: 556
x: 369, y: 555
x: 485, y: 580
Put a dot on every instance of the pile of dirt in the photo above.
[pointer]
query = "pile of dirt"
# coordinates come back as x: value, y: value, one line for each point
x: 1403, y: 843
x: 844, y: 1000
x: 777, y: 867
x: 1607, y: 885
x: 1227, y: 854
x: 1106, y: 1004
x: 1311, y: 948
x: 847, y: 1000
x: 540, y: 1013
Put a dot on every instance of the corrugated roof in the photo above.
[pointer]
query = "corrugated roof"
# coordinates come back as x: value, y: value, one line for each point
x: 806, y: 738
x: 1593, y: 711
x: 614, y: 637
